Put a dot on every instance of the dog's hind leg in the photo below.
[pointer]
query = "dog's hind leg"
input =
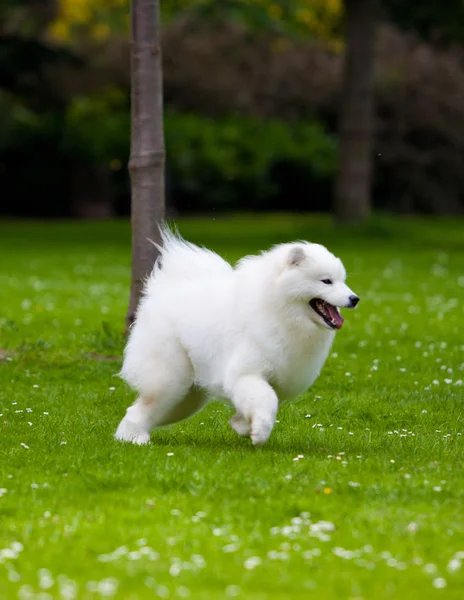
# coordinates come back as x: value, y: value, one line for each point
x: 167, y: 395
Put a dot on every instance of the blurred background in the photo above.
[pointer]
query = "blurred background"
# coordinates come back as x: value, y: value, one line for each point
x: 253, y: 92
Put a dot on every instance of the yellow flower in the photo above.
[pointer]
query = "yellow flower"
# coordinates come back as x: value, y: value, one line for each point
x: 274, y: 11
x: 101, y: 31
x: 59, y: 30
x: 327, y: 490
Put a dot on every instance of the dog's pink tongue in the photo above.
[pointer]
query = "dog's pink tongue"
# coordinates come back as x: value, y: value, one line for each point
x: 335, y: 316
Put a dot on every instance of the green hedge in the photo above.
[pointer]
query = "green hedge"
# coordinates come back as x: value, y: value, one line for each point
x: 226, y: 162
x: 222, y: 160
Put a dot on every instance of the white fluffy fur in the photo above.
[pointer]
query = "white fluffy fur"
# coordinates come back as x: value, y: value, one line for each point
x: 245, y: 334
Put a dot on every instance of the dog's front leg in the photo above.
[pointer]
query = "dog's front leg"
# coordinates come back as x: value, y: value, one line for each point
x: 257, y: 403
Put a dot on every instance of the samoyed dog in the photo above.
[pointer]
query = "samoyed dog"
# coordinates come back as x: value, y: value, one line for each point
x: 255, y: 335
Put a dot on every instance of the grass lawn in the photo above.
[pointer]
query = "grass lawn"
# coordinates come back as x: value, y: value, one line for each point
x: 359, y: 494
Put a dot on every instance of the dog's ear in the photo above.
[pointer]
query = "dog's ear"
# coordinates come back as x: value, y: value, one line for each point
x: 296, y: 256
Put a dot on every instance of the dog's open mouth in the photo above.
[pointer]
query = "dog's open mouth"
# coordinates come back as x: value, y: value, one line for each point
x: 329, y: 312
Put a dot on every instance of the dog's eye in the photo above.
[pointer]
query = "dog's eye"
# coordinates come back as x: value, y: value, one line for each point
x: 327, y: 281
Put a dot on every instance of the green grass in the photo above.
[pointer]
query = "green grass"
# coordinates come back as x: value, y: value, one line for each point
x: 200, y: 513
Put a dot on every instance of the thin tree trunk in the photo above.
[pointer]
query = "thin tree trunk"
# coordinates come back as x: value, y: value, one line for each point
x: 353, y: 186
x: 147, y: 157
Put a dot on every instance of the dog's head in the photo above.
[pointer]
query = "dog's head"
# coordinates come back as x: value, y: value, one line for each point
x: 315, y: 278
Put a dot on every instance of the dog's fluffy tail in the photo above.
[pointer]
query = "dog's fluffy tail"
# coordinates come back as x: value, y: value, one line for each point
x: 181, y: 260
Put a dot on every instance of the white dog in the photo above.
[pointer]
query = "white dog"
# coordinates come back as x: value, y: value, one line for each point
x: 255, y: 335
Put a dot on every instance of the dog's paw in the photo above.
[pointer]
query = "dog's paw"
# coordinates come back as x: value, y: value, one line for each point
x: 260, y: 431
x: 240, y: 425
x: 129, y: 432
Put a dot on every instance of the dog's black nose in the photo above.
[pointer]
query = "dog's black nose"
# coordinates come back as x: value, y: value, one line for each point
x: 354, y: 301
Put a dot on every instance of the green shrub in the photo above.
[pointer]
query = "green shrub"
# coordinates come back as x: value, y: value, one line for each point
x: 231, y: 160
x: 228, y: 162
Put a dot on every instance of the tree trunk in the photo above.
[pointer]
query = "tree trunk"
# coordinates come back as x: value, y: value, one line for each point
x: 147, y: 157
x: 353, y: 186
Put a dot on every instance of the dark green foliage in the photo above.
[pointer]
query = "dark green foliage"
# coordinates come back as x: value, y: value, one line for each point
x: 234, y: 161
x: 431, y: 18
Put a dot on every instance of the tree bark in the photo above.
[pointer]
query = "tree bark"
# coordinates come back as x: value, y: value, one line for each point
x: 353, y: 186
x: 147, y: 158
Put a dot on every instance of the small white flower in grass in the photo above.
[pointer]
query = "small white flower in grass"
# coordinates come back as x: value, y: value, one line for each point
x: 454, y: 565
x: 17, y: 547
x: 350, y: 433
x: 448, y: 381
x: 170, y: 454
x: 46, y: 580
x: 68, y: 588
x: 198, y: 560
x: 175, y: 569
x: 392, y: 460
x: 108, y: 587
x: 24, y: 445
x: 26, y: 592
x: 35, y: 386
x: 439, y: 583
x: 3, y: 491
x: 162, y: 591
x: 430, y: 569
x: 413, y: 527
x: 348, y: 374
x: 232, y: 591
x: 112, y: 389
x: 182, y: 591
x: 342, y: 553
x: 46, y: 413
x: 229, y: 548
x: 307, y: 416
x: 252, y: 562
x: 353, y: 484
x: 437, y: 488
